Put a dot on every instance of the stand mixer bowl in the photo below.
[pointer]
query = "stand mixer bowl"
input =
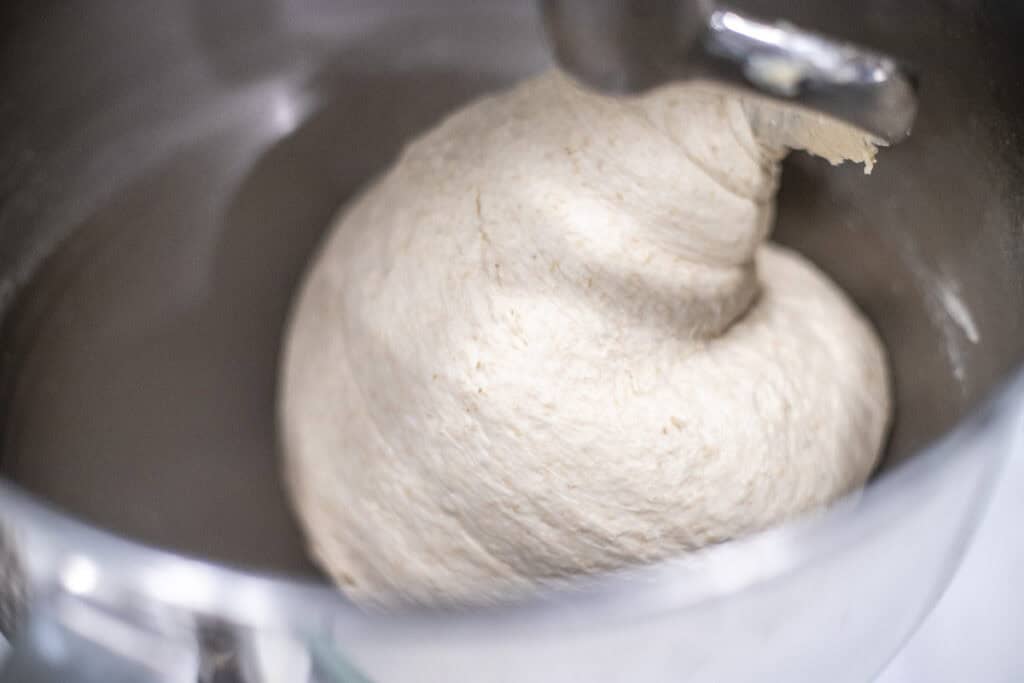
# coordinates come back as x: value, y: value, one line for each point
x: 166, y: 169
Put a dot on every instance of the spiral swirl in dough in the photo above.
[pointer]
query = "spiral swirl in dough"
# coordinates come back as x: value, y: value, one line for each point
x: 552, y: 341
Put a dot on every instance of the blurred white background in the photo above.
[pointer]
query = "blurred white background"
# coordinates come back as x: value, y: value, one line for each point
x: 976, y: 633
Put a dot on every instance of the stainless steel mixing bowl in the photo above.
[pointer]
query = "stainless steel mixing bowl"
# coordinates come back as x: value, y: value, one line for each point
x: 166, y: 169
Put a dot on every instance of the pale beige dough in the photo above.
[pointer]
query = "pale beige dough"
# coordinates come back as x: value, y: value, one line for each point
x: 551, y: 341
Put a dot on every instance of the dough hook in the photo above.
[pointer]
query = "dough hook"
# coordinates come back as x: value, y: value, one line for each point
x: 630, y: 46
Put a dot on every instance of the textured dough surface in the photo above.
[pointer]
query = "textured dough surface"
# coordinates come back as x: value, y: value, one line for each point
x: 551, y: 341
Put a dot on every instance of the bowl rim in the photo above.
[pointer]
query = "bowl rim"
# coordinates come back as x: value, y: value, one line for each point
x: 55, y: 550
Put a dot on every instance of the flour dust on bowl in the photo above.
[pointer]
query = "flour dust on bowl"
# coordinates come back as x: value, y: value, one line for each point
x: 159, y: 202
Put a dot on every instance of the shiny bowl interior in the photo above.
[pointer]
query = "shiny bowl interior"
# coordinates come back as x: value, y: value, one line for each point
x: 161, y: 200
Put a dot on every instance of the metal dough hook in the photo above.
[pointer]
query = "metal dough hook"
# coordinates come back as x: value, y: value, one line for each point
x: 630, y: 46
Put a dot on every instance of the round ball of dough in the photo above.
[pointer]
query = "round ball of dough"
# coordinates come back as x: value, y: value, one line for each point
x: 551, y: 341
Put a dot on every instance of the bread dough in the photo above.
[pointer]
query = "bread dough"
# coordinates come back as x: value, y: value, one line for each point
x: 551, y: 341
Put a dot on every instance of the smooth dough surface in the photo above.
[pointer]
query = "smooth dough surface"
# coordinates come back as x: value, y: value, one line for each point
x: 552, y: 341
